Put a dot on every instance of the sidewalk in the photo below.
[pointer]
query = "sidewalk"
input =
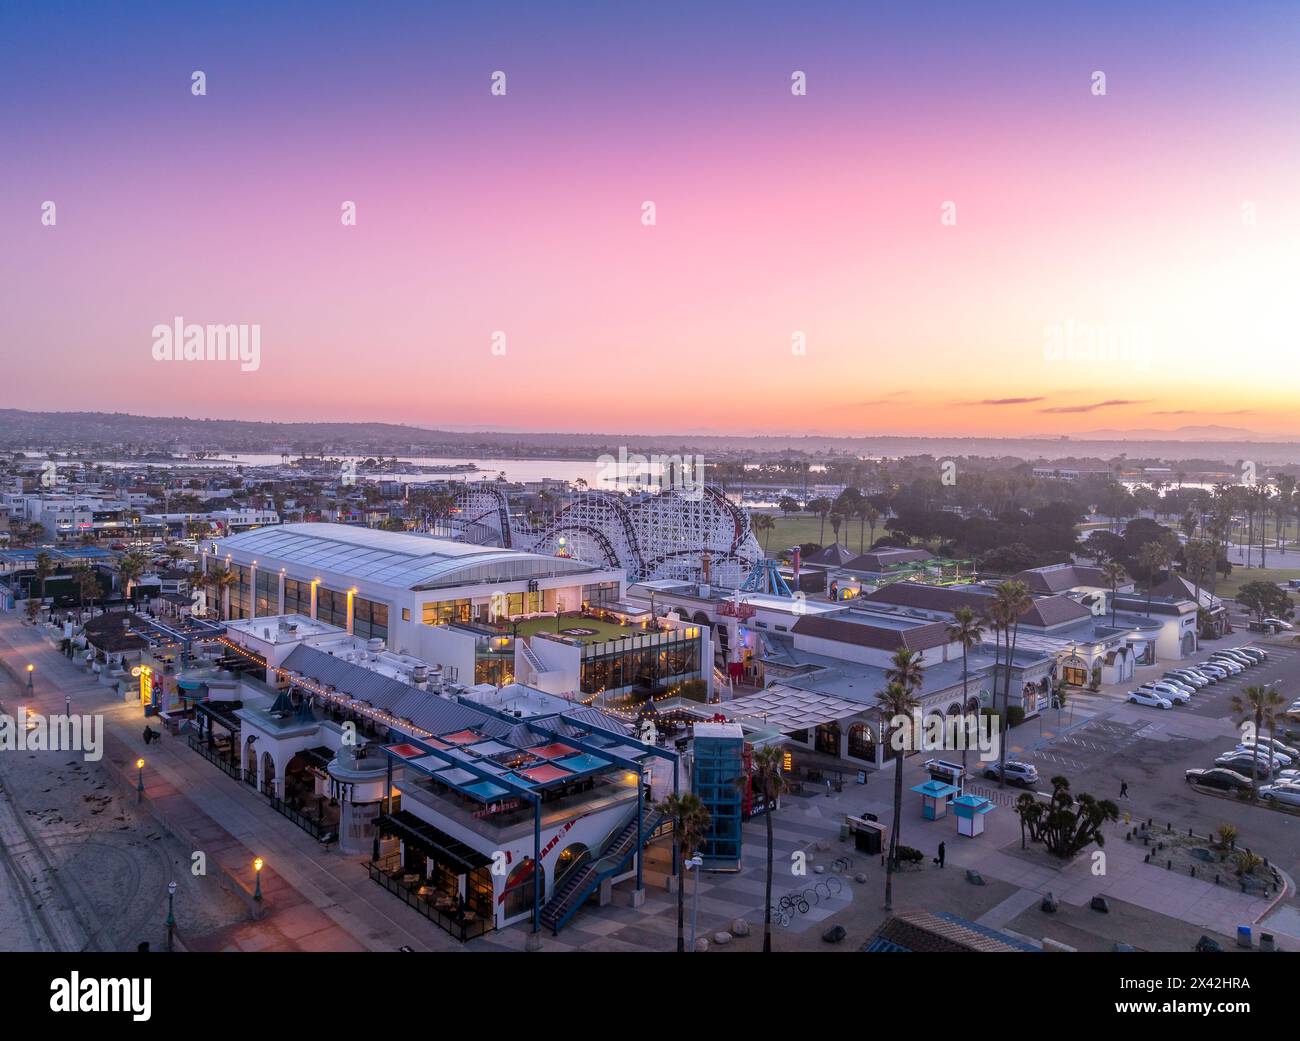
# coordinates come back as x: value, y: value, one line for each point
x: 316, y: 899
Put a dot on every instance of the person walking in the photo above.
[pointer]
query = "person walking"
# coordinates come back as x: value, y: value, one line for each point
x: 942, y: 855
x: 1123, y: 789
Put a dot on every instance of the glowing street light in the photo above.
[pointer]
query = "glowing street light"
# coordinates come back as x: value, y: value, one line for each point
x: 139, y: 781
x: 258, y: 864
x: 30, y: 669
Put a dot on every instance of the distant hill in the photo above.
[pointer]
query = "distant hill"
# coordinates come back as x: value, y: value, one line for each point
x: 109, y: 431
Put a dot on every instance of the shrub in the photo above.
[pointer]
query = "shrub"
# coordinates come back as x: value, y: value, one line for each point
x: 1015, y: 716
x: 908, y: 855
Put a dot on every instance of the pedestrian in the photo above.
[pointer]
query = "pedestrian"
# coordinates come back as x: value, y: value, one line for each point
x: 942, y: 854
x: 1123, y: 789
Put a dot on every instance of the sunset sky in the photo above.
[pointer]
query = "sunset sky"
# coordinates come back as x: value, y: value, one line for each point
x: 1163, y: 216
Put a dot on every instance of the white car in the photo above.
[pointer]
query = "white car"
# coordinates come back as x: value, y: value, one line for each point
x: 1166, y: 690
x: 1217, y: 674
x: 1281, y: 792
x: 1281, y: 747
x: 1280, y: 758
x: 1149, y: 698
x: 1190, y: 678
x: 1232, y: 668
x: 1244, y: 660
x: 1279, y: 623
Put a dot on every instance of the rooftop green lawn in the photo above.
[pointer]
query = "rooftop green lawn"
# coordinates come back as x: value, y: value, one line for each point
x: 603, y: 631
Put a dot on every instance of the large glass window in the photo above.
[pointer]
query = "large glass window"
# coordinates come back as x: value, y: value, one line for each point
x: 441, y: 612
x: 297, y: 597
x: 332, y: 606
x: 369, y: 619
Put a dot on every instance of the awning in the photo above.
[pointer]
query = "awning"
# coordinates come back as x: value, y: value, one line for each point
x: 222, y: 712
x: 789, y: 709
x: 435, y: 844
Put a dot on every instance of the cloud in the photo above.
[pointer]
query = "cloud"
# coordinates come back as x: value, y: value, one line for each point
x: 1005, y: 401
x: 1060, y: 409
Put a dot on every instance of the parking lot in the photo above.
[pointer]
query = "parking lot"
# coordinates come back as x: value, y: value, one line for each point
x: 1151, y: 749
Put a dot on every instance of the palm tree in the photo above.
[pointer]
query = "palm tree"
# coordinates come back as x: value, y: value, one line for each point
x: 1257, y: 705
x: 219, y: 578
x: 1113, y: 574
x: 966, y: 629
x: 871, y: 515
x: 763, y: 523
x: 894, y: 701
x: 129, y: 569
x: 768, y: 779
x: 691, y: 821
x: 1011, y: 602
x: 1153, y: 558
x: 837, y: 521
x: 87, y: 586
x: 44, y: 569
x: 822, y: 507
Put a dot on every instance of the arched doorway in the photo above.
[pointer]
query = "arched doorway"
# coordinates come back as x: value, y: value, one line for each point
x: 268, y: 774
x: 571, y: 858
x: 827, y: 739
x: 862, y: 742
x: 519, y: 894
x: 250, y: 762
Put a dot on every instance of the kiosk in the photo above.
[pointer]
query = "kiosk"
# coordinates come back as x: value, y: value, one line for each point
x: 971, y: 810
x: 934, y: 798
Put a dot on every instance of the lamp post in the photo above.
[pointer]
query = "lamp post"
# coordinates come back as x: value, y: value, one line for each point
x: 258, y: 864
x: 30, y: 669
x: 139, y: 780
x: 695, y: 862
x: 171, y: 918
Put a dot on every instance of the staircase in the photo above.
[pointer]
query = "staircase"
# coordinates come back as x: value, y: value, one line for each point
x: 583, y: 880
x: 530, y: 656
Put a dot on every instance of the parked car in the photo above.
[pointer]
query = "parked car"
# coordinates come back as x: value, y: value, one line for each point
x: 1258, y: 653
x: 1215, y: 672
x: 1177, y: 684
x: 1244, y: 660
x: 1282, y: 792
x: 1189, y: 677
x: 1166, y: 690
x: 1205, y: 674
x: 1245, y: 763
x: 1279, y: 746
x: 1023, y: 774
x: 1219, y: 777
x: 1232, y: 668
x: 1278, y: 623
x: 1279, y: 758
x: 1149, y: 698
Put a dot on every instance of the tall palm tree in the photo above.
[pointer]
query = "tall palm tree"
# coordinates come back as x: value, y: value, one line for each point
x: 837, y: 521
x: 966, y: 629
x: 769, y: 781
x: 1113, y: 574
x: 691, y: 821
x: 129, y: 570
x: 219, y: 578
x: 44, y: 569
x: 1153, y: 558
x: 1011, y: 602
x: 1258, y: 704
x: 894, y: 701
x: 764, y: 524
x: 822, y: 507
x: 871, y: 515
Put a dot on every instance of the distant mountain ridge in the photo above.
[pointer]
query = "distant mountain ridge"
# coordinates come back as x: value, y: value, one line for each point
x: 21, y: 430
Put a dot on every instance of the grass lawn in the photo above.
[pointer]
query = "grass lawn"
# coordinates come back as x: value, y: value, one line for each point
x: 1240, y: 576
x: 604, y: 631
x: 800, y: 528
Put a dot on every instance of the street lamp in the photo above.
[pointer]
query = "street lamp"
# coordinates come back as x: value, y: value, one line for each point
x: 139, y: 781
x: 258, y: 863
x: 696, y: 861
x: 30, y: 669
x: 171, y: 918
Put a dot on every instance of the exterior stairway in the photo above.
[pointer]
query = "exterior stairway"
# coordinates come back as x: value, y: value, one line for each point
x: 583, y: 880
